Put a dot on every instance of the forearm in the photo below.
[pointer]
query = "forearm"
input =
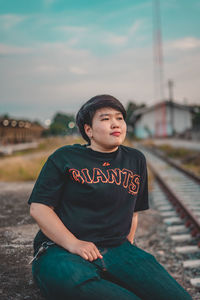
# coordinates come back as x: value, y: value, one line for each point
x: 51, y: 225
x: 134, y: 224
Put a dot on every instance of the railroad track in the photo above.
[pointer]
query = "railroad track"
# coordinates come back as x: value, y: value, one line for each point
x: 176, y: 194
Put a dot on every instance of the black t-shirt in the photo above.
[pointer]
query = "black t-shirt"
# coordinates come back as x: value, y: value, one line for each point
x: 93, y: 193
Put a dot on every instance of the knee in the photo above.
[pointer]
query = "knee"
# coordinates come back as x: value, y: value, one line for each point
x: 63, y: 273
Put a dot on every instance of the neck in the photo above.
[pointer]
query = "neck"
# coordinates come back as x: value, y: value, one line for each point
x: 99, y: 149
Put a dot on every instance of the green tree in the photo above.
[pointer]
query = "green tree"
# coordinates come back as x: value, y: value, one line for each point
x: 60, y: 124
x: 131, y: 107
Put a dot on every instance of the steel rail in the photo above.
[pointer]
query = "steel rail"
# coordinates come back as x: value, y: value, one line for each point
x: 191, y: 220
x: 173, y: 164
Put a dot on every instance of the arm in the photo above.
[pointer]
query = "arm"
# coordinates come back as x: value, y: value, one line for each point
x: 51, y: 225
x: 53, y: 228
x: 131, y: 234
x: 142, y: 200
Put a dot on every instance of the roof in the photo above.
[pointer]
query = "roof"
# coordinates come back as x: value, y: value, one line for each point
x: 145, y: 110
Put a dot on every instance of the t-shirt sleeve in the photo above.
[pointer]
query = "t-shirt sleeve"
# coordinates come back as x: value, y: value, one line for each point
x: 49, y: 185
x: 142, y: 201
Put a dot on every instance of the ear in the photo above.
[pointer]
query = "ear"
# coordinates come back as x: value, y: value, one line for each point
x: 88, y: 130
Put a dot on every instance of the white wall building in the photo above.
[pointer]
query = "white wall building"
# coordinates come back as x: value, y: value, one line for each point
x: 162, y: 120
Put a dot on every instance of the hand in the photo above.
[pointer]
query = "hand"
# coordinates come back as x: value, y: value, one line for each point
x: 87, y: 250
x: 131, y: 240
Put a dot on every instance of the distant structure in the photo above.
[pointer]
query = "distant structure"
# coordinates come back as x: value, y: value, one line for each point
x: 158, y: 53
x: 14, y: 131
x: 148, y: 122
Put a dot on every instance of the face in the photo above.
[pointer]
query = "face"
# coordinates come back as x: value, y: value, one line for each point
x: 108, y: 130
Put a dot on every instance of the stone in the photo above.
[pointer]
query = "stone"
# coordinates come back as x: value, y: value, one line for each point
x: 187, y: 249
x: 177, y: 228
x: 195, y: 282
x: 165, y: 207
x: 172, y: 220
x: 171, y: 213
x: 181, y: 237
x: 192, y: 263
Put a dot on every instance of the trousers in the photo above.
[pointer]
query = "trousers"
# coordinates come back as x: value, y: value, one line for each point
x: 126, y: 272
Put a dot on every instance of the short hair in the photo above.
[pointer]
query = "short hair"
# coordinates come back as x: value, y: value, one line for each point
x: 86, y: 113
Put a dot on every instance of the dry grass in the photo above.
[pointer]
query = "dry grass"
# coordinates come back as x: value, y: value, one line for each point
x: 188, y: 158
x: 20, y: 168
x: 193, y: 168
x: 49, y: 144
x: 172, y: 152
x: 26, y: 165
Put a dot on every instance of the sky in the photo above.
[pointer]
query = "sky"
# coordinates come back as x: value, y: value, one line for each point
x: 57, y: 54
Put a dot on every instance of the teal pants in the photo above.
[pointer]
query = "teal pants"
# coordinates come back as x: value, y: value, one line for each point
x: 125, y: 273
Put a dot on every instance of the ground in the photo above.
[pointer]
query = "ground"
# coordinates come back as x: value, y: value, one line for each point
x: 17, y: 231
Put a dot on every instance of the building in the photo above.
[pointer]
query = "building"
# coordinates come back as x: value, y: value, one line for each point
x: 14, y: 131
x: 163, y: 119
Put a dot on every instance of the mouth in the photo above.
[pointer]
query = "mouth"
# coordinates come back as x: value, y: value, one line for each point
x: 116, y: 133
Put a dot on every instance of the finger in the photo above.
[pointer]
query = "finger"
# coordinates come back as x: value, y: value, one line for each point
x: 90, y: 257
x: 98, y: 253
x: 94, y: 254
x: 85, y: 256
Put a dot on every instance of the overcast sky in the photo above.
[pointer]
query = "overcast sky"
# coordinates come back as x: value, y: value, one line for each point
x: 56, y: 54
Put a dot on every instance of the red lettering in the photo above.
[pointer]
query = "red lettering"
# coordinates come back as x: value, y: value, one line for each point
x: 99, y: 175
x: 131, y: 181
x: 114, y: 176
x: 75, y: 174
x: 86, y: 175
x: 134, y: 185
x: 128, y: 174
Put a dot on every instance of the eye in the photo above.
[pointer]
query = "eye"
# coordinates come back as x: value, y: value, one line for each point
x: 104, y: 119
x: 120, y: 118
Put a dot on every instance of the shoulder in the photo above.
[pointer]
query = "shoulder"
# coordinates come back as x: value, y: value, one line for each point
x: 133, y: 152
x: 66, y: 150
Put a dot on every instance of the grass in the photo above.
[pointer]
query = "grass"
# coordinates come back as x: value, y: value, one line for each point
x: 178, y: 152
x: 49, y: 144
x: 21, y: 169
x: 195, y: 168
x: 26, y: 165
x: 189, y: 159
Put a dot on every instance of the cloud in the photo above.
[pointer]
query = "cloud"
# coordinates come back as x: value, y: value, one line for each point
x: 56, y: 77
x: 72, y: 29
x: 73, y: 42
x: 58, y: 27
x: 116, y: 40
x: 14, y: 50
x: 77, y: 70
x: 123, y: 40
x: 135, y: 27
x: 9, y: 21
x: 53, y: 74
x: 49, y: 2
x: 185, y: 44
x: 83, y: 35
x: 47, y: 68
x: 73, y: 34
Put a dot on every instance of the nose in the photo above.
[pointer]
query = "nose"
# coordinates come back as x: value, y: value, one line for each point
x: 115, y: 123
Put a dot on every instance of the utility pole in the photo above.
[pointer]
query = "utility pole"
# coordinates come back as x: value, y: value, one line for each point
x: 158, y: 52
x: 171, y: 106
x: 160, y: 117
x: 171, y: 87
